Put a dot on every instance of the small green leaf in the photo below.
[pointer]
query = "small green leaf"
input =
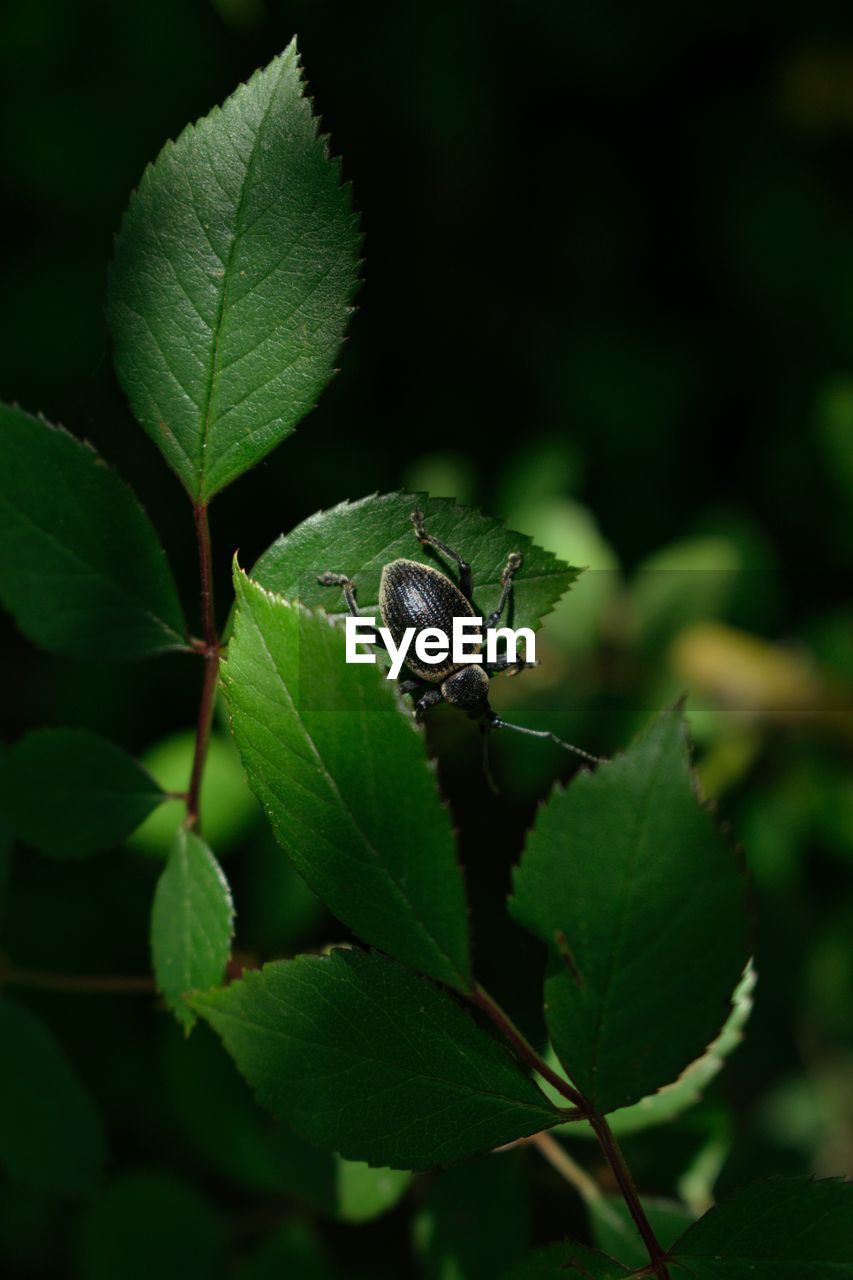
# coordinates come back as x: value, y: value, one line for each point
x: 191, y: 924
x: 359, y: 538
x: 366, y: 1058
x: 565, y: 1261
x: 152, y: 1225
x: 475, y: 1218
x: 642, y: 904
x: 235, y: 268
x: 82, y: 570
x: 341, y: 773
x: 363, y: 1192
x: 50, y: 1134
x: 782, y: 1229
x: 70, y: 793
x: 614, y: 1232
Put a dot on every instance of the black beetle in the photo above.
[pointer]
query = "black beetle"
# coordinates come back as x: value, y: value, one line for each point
x: 416, y: 595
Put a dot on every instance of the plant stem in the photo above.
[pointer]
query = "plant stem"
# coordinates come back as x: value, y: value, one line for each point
x: 559, y: 1159
x: 211, y: 661
x: 80, y: 984
x: 524, y: 1048
x: 625, y: 1182
x: 552, y: 1150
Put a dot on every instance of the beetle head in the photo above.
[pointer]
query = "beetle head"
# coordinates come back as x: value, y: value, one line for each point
x: 467, y: 688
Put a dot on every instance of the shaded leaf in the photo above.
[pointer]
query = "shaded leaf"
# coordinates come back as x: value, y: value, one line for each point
x: 330, y: 754
x: 642, y: 904
x: 82, y: 570
x: 359, y: 538
x: 782, y: 1229
x: 293, y: 1252
x: 369, y: 1059
x: 70, y: 793
x: 191, y: 924
x: 475, y: 1220
x: 565, y: 1261
x: 614, y: 1232
x: 234, y: 271
x: 50, y: 1134
x: 150, y: 1225
x: 246, y: 1146
x: 670, y: 1101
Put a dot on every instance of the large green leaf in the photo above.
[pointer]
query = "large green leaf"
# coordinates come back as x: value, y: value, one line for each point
x: 670, y: 1101
x: 50, y: 1135
x: 565, y: 1261
x: 81, y: 567
x: 152, y: 1225
x: 192, y: 924
x: 341, y: 772
x: 641, y: 901
x: 783, y: 1229
x: 358, y: 538
x: 231, y: 288
x: 367, y: 1058
x: 69, y: 792
x: 247, y: 1147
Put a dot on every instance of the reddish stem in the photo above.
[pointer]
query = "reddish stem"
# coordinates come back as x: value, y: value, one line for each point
x: 625, y: 1182
x: 81, y: 984
x: 524, y: 1048
x: 211, y: 662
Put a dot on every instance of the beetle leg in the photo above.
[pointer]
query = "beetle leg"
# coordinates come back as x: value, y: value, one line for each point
x: 427, y: 540
x: 512, y: 667
x: 513, y: 564
x: 430, y: 698
x: 409, y: 686
x: 341, y: 580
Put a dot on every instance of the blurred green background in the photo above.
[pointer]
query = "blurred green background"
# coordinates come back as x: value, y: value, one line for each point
x: 609, y: 296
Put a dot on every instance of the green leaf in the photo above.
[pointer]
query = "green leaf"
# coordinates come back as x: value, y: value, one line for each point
x: 642, y: 904
x: 783, y: 1229
x: 192, y: 924
x: 244, y: 1145
x: 673, y: 1099
x: 149, y: 1225
x: 475, y: 1219
x: 565, y: 1261
x: 340, y: 770
x: 359, y: 538
x: 231, y: 288
x: 614, y: 1232
x: 371, y: 1060
x: 82, y: 569
x: 50, y: 1134
x: 70, y: 793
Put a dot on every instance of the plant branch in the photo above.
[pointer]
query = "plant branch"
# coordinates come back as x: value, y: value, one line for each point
x: 554, y: 1153
x: 625, y: 1182
x: 210, y: 650
x: 79, y: 984
x: 524, y: 1048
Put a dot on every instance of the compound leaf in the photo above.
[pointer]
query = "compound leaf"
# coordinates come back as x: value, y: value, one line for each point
x: 782, y: 1229
x: 340, y: 769
x: 231, y: 287
x: 365, y: 1057
x: 642, y: 905
x: 192, y: 924
x: 82, y: 570
x: 69, y: 792
x: 358, y: 538
x: 50, y: 1134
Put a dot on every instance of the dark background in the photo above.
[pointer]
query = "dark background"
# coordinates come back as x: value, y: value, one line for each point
x: 609, y: 295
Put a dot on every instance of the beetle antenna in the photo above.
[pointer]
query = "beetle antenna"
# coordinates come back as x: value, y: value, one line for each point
x: 546, y: 733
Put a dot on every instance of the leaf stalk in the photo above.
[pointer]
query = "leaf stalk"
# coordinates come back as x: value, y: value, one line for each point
x: 210, y: 651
